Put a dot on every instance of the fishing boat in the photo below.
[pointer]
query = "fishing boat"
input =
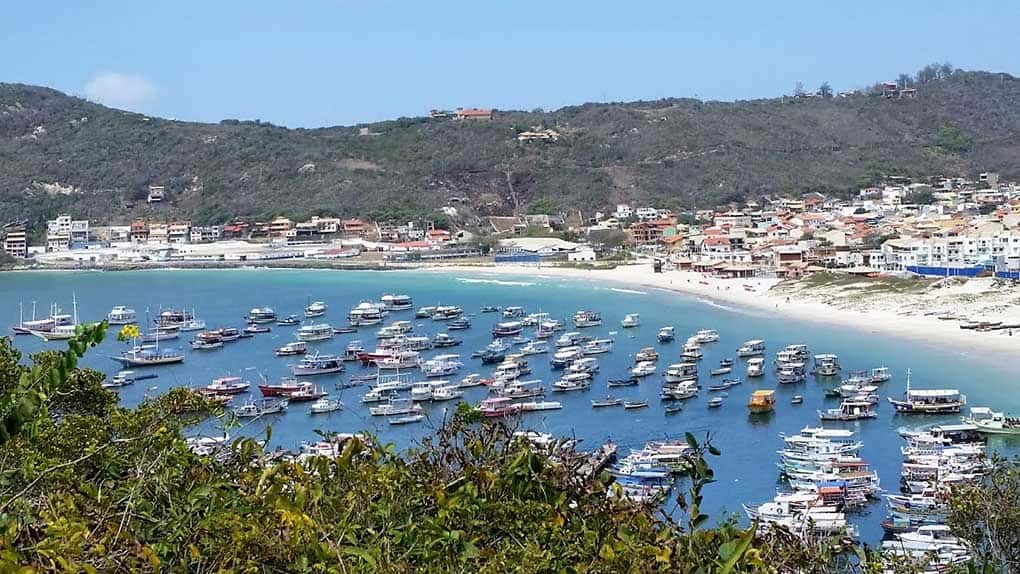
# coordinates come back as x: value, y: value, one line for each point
x: 597, y: 346
x: 227, y: 385
x: 674, y: 408
x: 762, y: 401
x: 121, y: 315
x: 666, y: 334
x: 715, y: 402
x: 630, y: 320
x: 535, y: 348
x: 646, y: 354
x: 751, y: 348
x: 721, y: 370
x: 261, y: 315
x: 707, y: 336
x: 507, y: 329
x: 261, y: 407
x: 755, y: 367
x: 444, y: 340
x: 255, y: 329
x: 849, y: 410
x: 796, y: 400
x: 488, y: 309
x: 622, y: 382
x: 630, y: 405
x: 307, y: 392
x: 459, y: 324
x: 366, y: 313
x: 205, y: 345
x: 315, y: 309
x: 447, y: 313
x: 124, y: 378
x: 513, y: 312
x: 681, y: 372
x: 407, y: 419
x: 929, y: 401
x: 573, y: 382
x: 879, y: 375
x: 395, y: 407
x: 679, y: 391
x: 643, y: 369
x: 149, y: 356
x: 312, y: 365
x: 447, y: 392
x: 325, y: 405
x: 288, y: 321
x: 691, y: 350
x: 315, y: 332
x: 283, y: 388
x: 584, y: 319
x: 826, y: 365
x: 397, y: 302
x: 988, y: 421
x: 292, y: 349
x: 606, y: 402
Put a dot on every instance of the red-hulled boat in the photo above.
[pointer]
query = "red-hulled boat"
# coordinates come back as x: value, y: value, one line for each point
x: 284, y: 387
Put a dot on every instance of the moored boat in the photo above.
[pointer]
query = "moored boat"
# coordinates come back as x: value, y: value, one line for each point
x: 666, y: 334
x: 315, y: 309
x: 584, y: 318
x: 261, y: 315
x: 397, y: 302
x: 315, y: 332
x: 630, y: 320
x: 261, y: 407
x: 121, y: 315
x: 988, y: 421
x: 751, y: 348
x: 291, y: 349
x: 312, y: 365
x: 762, y: 401
x: 325, y: 405
x: 929, y: 401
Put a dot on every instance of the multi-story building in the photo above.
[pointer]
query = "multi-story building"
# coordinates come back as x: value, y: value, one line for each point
x: 139, y: 232
x: 158, y: 233
x: 280, y: 227
x: 156, y: 194
x: 205, y: 234
x: 733, y: 219
x: 16, y: 242
x: 178, y: 232
x: 646, y: 213
x: 65, y: 233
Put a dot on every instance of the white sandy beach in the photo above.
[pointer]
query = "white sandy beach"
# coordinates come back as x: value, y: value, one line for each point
x: 891, y: 313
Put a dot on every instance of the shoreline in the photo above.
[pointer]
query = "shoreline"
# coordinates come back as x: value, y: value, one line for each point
x: 754, y: 294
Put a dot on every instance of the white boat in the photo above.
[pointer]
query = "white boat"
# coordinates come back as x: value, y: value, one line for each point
x: 597, y: 346
x: 666, y: 334
x: 826, y: 365
x: 397, y: 302
x: 646, y: 354
x: 291, y: 349
x: 513, y: 312
x: 422, y: 390
x: 707, y: 336
x: 681, y: 372
x: 879, y: 375
x: 315, y: 309
x: 325, y: 405
x: 584, y: 365
x: 447, y: 312
x: 312, y: 365
x: 473, y: 380
x: 401, y: 360
x: 584, y: 319
x: 261, y: 315
x: 535, y: 319
x: 447, y: 392
x: 752, y: 348
x: 315, y: 332
x: 630, y: 320
x: 643, y: 369
x: 755, y: 367
x: 38, y: 325
x: 121, y: 315
x: 692, y: 350
x: 565, y: 356
x: 441, y: 366
x: 407, y: 419
x: 507, y: 329
x: 988, y: 421
x: 61, y: 330
x: 569, y: 339
x: 261, y: 407
x: 929, y: 401
x: 366, y: 313
x: 791, y: 373
x: 680, y: 391
x: 850, y: 410
x: 573, y: 382
x: 149, y: 356
x: 125, y: 378
x: 395, y: 407
x: 535, y: 348
x: 540, y: 406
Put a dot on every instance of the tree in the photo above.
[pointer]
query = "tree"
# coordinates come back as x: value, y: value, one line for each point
x: 609, y: 239
x: 945, y: 70
x: 825, y: 90
x: 904, y: 81
x: 543, y: 206
x: 928, y: 74
x: 987, y: 514
x: 798, y: 90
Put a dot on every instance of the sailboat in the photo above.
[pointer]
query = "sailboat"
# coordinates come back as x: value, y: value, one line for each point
x: 149, y: 355
x: 60, y: 332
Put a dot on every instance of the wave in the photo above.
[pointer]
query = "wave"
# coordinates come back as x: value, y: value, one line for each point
x: 632, y: 291
x: 718, y: 305
x: 495, y: 282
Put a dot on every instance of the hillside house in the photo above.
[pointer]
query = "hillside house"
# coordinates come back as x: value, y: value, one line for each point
x: 353, y: 227
x: 156, y: 194
x: 473, y: 114
x: 280, y: 227
x: 178, y: 232
x: 205, y: 234
x: 139, y: 232
x: 16, y: 242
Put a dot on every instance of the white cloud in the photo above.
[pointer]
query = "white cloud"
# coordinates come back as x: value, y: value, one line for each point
x: 128, y: 91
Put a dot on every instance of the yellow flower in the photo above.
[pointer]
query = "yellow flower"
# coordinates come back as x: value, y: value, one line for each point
x: 128, y: 332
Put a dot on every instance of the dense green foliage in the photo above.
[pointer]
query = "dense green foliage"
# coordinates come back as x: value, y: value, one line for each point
x: 88, y: 486
x: 673, y: 152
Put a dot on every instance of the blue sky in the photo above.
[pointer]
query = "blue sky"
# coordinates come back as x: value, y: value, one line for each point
x: 316, y: 63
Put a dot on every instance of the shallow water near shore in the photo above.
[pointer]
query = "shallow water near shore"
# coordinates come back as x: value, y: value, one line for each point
x: 746, y: 471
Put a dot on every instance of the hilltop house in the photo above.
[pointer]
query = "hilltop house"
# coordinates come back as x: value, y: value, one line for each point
x: 473, y: 114
x: 156, y: 194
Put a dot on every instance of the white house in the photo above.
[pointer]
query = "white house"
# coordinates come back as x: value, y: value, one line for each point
x: 623, y: 211
x: 583, y: 254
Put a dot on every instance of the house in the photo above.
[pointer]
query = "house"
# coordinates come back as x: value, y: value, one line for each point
x: 118, y: 233
x: 158, y: 233
x: 205, y: 234
x: 139, y: 232
x: 156, y: 194
x: 646, y: 213
x: 65, y: 233
x: 353, y: 227
x: 280, y: 227
x: 233, y: 231
x: 326, y: 225
x: 583, y: 254
x: 178, y: 232
x: 473, y: 114
x: 437, y: 236
x: 623, y: 211
x: 785, y: 255
x: 732, y: 219
x: 16, y: 242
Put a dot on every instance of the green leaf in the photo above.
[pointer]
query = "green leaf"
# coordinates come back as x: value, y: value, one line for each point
x: 738, y: 552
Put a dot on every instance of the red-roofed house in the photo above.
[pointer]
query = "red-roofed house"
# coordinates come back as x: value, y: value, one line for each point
x: 437, y: 235
x: 353, y: 227
x: 473, y: 114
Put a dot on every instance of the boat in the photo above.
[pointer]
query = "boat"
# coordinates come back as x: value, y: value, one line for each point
x: 283, y: 388
x: 622, y: 382
x: 395, y: 407
x: 691, y: 350
x: 124, y: 378
x: 520, y: 340
x: 796, y: 400
x: 674, y: 408
x: 573, y: 382
x: 879, y: 375
x: 707, y: 336
x: 459, y: 324
x: 666, y: 334
x: 200, y: 345
x: 401, y: 360
x: 288, y: 321
x: 474, y: 380
x: 315, y: 309
x: 565, y: 356
x: 312, y: 365
x: 447, y: 392
x: 584, y: 365
x: 681, y: 372
x: 606, y: 402
x: 39, y: 325
x: 175, y: 319
x: 529, y: 406
x: 751, y: 348
x: 597, y: 346
x: 929, y: 401
x: 630, y: 320
x: 826, y: 365
x: 720, y: 371
x: 715, y: 402
x: 988, y: 421
x: 149, y: 356
x: 755, y: 367
x: 366, y: 313
x: 256, y: 329
x: 315, y: 332
x: 646, y: 354
x: 191, y: 323
x: 425, y: 312
x: 635, y: 404
x: 261, y: 407
x: 679, y: 391
x: 513, y: 312
x: 849, y: 410
x: 762, y: 401
x: 488, y: 309
x: 535, y: 319
x: 725, y: 385
x: 583, y: 319
x: 444, y: 340
x: 643, y: 369
x: 535, y: 348
x: 447, y: 313
x: 407, y: 419
x: 507, y: 329
x: 352, y: 350
x: 325, y: 405
x: 344, y: 330
x: 395, y: 330
x: 397, y: 302
x: 441, y: 366
x: 62, y: 328
x: 291, y: 349
x: 307, y: 392
x: 570, y: 339
x: 791, y: 373
x: 158, y: 335
x: 498, y: 407
x: 121, y: 315
x: 261, y: 315
x: 227, y: 386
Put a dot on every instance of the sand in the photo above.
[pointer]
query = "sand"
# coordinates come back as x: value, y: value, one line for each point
x: 913, y: 316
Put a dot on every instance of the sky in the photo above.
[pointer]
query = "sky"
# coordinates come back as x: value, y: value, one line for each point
x: 316, y: 63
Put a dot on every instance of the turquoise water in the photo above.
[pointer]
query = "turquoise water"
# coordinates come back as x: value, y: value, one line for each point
x: 746, y: 471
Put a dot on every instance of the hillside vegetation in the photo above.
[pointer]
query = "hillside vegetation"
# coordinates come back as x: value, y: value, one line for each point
x: 60, y: 153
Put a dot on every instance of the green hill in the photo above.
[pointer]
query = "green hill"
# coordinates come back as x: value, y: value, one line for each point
x: 674, y: 152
